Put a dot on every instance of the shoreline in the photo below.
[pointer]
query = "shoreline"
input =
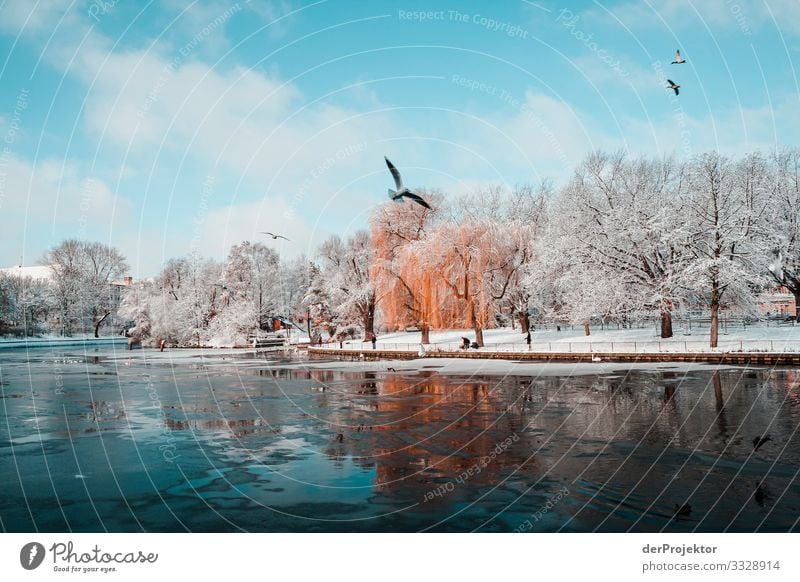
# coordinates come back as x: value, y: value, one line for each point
x: 730, y: 358
x: 46, y: 342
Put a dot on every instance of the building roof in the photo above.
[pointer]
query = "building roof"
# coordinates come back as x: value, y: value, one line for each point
x: 40, y: 272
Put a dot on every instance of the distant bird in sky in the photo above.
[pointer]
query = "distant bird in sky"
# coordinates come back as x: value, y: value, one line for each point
x: 679, y: 60
x: 402, y: 191
x: 274, y: 236
x: 673, y: 86
x: 759, y: 441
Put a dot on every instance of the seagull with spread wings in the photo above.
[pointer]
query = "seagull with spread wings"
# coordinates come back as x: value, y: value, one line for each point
x: 679, y: 60
x: 673, y: 86
x: 274, y: 236
x: 402, y: 191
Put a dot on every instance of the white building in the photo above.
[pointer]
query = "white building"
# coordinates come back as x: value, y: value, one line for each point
x: 38, y: 272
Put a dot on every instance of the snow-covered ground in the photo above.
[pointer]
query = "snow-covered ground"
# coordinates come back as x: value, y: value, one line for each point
x: 758, y: 338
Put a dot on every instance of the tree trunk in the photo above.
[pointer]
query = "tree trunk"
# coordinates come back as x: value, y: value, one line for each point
x: 369, y: 323
x: 99, y: 323
x: 796, y: 294
x: 524, y: 321
x: 65, y: 325
x: 426, y: 333
x: 308, y: 324
x: 473, y: 318
x: 714, y: 314
x: 586, y: 327
x: 666, y: 323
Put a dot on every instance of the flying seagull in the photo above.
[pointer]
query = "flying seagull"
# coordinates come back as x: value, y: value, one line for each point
x: 275, y: 236
x: 679, y: 60
x: 402, y: 191
x: 673, y: 86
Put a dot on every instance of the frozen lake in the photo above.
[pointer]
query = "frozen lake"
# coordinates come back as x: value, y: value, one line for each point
x: 105, y: 440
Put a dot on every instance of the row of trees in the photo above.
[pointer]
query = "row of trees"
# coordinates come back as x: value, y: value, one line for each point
x: 196, y: 301
x: 78, y: 297
x: 25, y: 305
x: 624, y: 238
x: 652, y: 235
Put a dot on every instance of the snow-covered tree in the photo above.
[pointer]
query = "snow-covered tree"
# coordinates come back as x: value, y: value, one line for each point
x: 724, y: 204
x: 521, y: 216
x: 103, y: 266
x: 349, y: 286
x: 251, y: 275
x: 782, y: 224
x: 292, y: 286
x: 173, y: 275
x: 83, y: 273
x: 180, y: 304
x: 202, y: 295
x: 318, y: 305
x: 24, y: 304
x: 620, y: 223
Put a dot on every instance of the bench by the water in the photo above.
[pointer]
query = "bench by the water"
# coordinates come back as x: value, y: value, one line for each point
x: 266, y: 342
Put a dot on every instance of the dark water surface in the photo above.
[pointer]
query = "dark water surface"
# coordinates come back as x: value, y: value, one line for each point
x: 119, y: 441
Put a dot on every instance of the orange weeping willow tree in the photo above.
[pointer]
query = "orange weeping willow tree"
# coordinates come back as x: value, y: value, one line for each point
x: 402, y: 281
x: 430, y: 274
x: 466, y: 253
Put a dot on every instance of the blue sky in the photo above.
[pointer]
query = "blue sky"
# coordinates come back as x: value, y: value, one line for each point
x: 166, y: 127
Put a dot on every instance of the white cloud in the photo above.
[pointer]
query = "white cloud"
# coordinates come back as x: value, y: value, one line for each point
x: 21, y: 16
x: 629, y: 76
x: 539, y: 134
x: 294, y: 156
x: 729, y: 16
x: 733, y: 132
x: 54, y: 200
x: 231, y: 225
